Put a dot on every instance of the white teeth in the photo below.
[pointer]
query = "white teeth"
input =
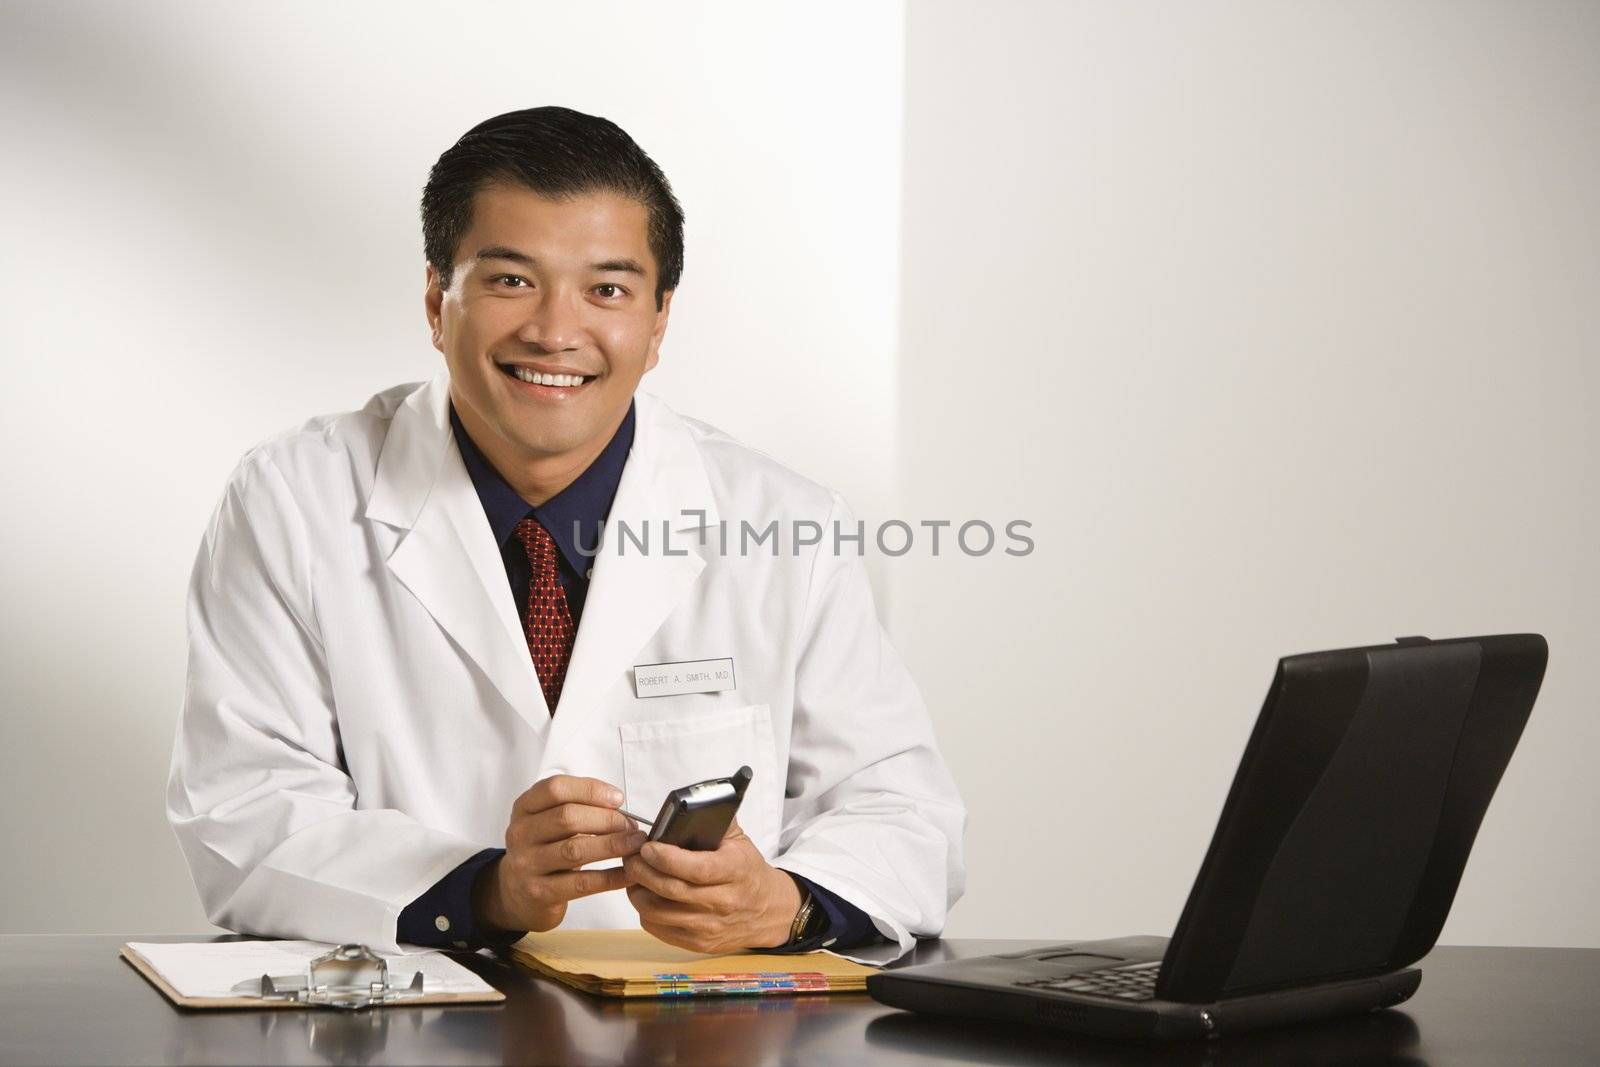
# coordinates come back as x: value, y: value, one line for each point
x: 561, y: 380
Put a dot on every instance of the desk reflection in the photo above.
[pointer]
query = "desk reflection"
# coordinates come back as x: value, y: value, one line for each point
x: 546, y: 1022
x: 543, y: 1021
x: 362, y: 1037
x: 1379, y: 1038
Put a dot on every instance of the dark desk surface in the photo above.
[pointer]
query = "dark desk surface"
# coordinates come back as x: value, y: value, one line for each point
x: 70, y: 1000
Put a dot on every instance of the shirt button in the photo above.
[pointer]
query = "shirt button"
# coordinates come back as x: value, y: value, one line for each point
x: 461, y: 944
x: 589, y: 573
x: 442, y: 924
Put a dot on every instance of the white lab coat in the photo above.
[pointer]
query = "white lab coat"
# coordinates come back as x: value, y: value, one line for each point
x: 361, y: 708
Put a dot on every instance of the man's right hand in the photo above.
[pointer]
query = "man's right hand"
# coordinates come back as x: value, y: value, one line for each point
x: 557, y: 826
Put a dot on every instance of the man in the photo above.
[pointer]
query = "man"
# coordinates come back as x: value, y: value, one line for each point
x: 430, y: 626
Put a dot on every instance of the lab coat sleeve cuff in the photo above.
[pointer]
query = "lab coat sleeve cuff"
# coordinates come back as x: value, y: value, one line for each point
x: 442, y: 917
x: 847, y: 926
x: 842, y: 889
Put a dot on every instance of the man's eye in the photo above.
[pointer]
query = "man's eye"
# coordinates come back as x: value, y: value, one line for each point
x: 508, y: 278
x: 616, y: 290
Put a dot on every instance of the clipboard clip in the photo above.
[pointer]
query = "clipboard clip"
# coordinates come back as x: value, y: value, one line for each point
x: 351, y: 976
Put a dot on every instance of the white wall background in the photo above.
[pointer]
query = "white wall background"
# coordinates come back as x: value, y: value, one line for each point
x: 1273, y: 319
x: 1279, y: 321
x: 211, y: 225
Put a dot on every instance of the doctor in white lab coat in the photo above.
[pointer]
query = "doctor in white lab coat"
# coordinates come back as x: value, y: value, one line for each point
x: 362, y: 712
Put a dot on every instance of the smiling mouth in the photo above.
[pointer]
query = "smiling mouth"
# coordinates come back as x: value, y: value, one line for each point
x: 557, y: 381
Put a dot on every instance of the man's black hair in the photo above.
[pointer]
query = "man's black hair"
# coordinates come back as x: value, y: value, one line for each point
x: 558, y: 153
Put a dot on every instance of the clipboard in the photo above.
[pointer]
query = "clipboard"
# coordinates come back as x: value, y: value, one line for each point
x: 341, y: 978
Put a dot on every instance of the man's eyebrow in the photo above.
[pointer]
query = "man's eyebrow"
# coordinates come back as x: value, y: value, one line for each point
x: 609, y: 266
x: 502, y: 252
x: 619, y: 266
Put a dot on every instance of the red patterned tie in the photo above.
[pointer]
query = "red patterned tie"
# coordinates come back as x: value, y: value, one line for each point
x: 549, y: 622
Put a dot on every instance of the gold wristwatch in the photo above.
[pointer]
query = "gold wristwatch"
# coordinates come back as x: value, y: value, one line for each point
x: 807, y: 918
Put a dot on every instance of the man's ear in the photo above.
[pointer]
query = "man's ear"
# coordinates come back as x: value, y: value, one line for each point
x: 654, y: 355
x: 433, y: 305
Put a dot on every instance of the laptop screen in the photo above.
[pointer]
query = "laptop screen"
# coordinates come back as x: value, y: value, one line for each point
x: 1352, y: 813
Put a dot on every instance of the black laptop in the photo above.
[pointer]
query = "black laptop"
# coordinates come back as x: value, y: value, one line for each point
x: 1332, y: 868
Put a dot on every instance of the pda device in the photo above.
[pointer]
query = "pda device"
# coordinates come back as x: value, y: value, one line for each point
x: 697, y: 816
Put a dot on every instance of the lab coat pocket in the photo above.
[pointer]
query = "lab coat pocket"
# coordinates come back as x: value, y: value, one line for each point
x: 661, y: 755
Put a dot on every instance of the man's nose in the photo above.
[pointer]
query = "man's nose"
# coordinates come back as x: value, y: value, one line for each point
x: 554, y: 322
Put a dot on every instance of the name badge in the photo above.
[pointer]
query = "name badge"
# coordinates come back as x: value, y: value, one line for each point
x: 685, y: 676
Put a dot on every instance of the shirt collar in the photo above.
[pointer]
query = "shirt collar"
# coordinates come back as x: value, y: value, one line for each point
x: 575, y: 513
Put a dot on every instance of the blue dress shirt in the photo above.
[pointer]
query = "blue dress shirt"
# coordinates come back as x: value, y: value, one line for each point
x: 574, y: 517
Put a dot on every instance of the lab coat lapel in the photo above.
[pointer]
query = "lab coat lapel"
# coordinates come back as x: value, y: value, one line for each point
x: 631, y: 592
x: 446, y: 555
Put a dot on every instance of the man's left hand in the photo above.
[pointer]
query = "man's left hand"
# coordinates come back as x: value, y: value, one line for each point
x: 714, y: 902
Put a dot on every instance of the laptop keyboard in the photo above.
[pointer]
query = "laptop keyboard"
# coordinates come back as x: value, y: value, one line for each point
x: 1132, y: 982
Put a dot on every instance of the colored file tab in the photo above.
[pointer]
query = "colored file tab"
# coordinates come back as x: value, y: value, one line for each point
x: 631, y: 963
x: 686, y: 985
